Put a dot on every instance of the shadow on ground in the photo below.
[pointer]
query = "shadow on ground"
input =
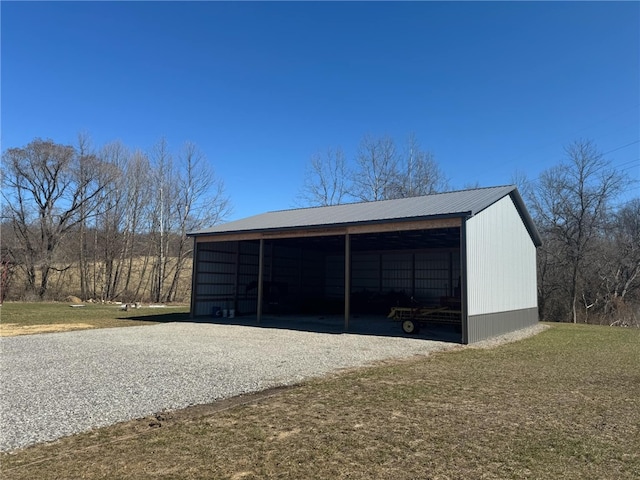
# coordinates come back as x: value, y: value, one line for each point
x: 333, y: 324
x: 161, y: 317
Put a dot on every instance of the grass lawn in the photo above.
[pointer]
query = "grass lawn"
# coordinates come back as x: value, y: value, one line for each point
x: 28, y: 318
x: 563, y: 404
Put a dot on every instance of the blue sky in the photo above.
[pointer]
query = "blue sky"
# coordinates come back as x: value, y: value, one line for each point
x: 488, y: 88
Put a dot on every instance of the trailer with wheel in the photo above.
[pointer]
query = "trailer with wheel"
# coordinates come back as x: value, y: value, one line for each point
x: 413, y: 318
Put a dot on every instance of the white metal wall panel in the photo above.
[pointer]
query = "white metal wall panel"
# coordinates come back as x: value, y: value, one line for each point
x: 501, y: 261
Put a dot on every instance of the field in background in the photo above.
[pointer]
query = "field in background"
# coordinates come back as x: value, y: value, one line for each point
x: 40, y: 317
x: 67, y: 282
x: 562, y: 404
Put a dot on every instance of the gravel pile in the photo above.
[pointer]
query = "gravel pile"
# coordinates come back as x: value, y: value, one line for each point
x: 56, y: 385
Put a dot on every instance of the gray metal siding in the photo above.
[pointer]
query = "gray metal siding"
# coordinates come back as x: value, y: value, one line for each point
x: 490, y: 325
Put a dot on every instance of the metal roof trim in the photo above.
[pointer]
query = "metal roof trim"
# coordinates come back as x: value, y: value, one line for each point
x: 336, y: 226
x: 526, y: 218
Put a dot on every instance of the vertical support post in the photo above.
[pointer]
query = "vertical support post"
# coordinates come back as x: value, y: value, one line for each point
x: 236, y: 283
x: 260, y: 273
x: 300, y: 270
x: 271, y: 262
x: 194, y: 277
x: 380, y: 273
x: 463, y: 281
x: 347, y: 280
x: 413, y: 275
x: 452, y: 289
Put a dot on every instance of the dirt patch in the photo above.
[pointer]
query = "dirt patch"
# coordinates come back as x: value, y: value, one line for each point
x: 14, y: 329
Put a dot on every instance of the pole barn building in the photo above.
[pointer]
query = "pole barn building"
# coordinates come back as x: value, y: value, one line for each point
x: 465, y: 257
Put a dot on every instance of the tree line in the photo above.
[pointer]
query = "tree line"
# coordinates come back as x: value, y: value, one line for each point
x: 114, y: 219
x: 589, y: 263
x: 111, y: 221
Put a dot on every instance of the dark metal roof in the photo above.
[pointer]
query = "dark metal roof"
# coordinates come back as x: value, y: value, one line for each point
x: 461, y: 203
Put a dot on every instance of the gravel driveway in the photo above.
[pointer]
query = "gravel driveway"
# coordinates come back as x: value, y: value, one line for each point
x: 53, y: 385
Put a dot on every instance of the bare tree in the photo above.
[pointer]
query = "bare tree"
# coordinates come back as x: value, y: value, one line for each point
x: 136, y: 210
x: 200, y: 201
x: 376, y: 169
x: 522, y: 182
x: 417, y: 173
x: 571, y: 204
x: 110, y: 224
x: 617, y: 267
x: 163, y: 195
x: 326, y: 179
x: 84, y: 150
x: 627, y: 240
x: 115, y: 217
x: 50, y: 190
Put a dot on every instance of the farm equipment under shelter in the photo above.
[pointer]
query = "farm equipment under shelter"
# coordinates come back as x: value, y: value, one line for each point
x: 413, y: 318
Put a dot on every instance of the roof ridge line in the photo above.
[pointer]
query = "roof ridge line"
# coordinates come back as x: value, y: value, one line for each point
x: 386, y: 199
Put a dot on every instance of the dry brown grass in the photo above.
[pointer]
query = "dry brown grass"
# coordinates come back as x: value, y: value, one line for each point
x: 14, y: 329
x: 563, y: 404
x: 20, y: 318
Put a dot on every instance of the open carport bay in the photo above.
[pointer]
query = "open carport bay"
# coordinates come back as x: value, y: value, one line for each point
x: 307, y: 275
x: 54, y: 385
